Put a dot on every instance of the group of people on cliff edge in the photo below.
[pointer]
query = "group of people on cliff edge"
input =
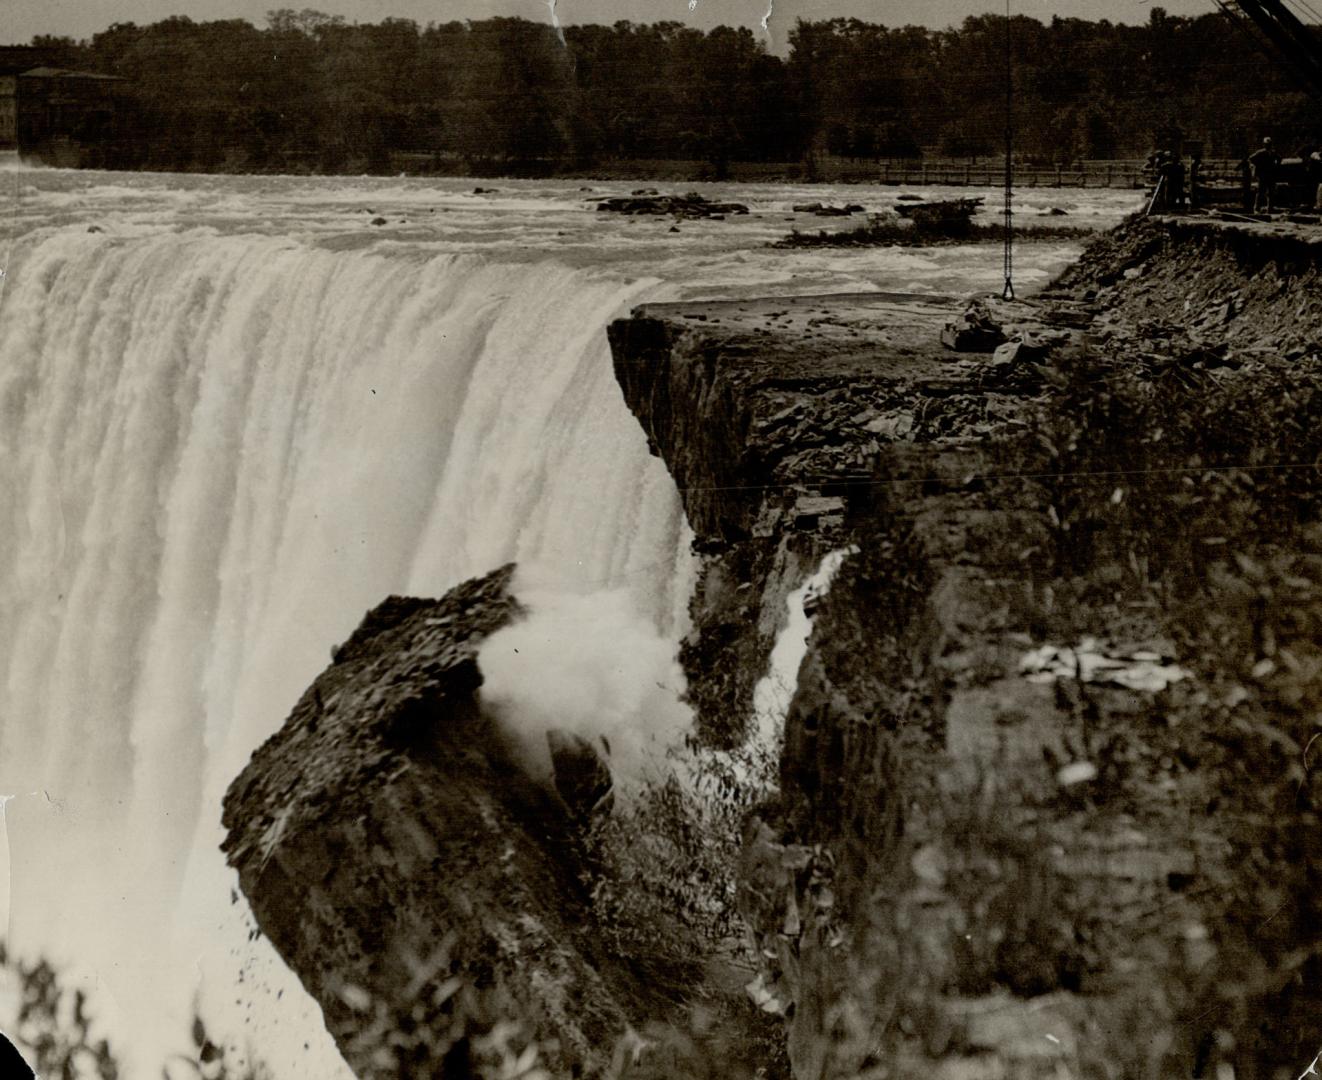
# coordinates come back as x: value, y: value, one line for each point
x: 1177, y: 188
x: 1261, y: 176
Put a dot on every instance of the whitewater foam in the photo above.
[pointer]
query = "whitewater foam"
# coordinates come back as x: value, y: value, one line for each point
x: 590, y: 665
x: 218, y: 451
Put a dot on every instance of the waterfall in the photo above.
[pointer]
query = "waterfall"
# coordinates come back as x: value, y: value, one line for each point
x: 216, y: 452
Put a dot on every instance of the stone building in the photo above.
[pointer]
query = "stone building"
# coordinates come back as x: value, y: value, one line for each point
x: 56, y: 114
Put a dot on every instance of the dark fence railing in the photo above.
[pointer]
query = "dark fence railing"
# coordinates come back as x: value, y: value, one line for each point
x: 1086, y: 174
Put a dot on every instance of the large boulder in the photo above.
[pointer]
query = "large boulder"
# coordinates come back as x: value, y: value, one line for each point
x: 423, y: 888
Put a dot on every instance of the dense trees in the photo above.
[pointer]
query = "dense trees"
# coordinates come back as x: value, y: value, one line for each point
x: 314, y: 92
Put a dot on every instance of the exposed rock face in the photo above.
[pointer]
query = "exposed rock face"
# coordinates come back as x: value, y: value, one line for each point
x: 828, y: 209
x: 387, y: 841
x: 970, y: 872
x: 770, y: 415
x: 691, y: 205
x: 757, y: 426
x: 973, y: 867
x: 1196, y: 277
x: 582, y: 777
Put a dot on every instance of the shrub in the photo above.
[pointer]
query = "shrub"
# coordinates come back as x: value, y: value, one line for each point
x: 1199, y: 480
x: 667, y: 855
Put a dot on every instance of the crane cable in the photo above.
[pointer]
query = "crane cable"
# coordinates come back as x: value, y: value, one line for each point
x: 1007, y: 293
x: 1262, y: 21
x: 1305, y: 6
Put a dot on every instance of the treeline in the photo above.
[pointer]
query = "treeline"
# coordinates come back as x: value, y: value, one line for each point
x: 312, y: 92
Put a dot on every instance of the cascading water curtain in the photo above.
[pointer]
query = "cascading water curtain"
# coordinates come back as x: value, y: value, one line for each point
x: 216, y: 453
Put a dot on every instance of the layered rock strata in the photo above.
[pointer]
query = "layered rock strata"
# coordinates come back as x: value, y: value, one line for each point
x: 770, y: 415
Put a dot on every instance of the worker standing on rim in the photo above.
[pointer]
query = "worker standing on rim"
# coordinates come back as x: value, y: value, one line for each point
x: 1265, y: 161
x: 1174, y: 182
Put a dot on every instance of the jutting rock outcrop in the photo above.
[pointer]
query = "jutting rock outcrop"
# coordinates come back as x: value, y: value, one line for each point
x: 401, y: 861
x: 770, y: 415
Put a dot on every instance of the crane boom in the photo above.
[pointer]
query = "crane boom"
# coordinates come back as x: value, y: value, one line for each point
x: 1290, y: 36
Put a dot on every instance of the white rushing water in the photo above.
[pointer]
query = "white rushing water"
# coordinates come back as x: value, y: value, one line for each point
x: 219, y: 452
x: 233, y: 417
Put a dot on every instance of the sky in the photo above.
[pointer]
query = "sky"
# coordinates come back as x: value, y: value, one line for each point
x: 82, y: 18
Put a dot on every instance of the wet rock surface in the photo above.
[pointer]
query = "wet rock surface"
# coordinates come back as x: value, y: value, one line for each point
x: 818, y: 209
x: 649, y: 203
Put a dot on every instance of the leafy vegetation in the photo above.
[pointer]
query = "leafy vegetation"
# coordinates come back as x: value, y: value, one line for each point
x: 1163, y: 492
x: 479, y: 1032
x: 1190, y: 486
x: 311, y: 92
x: 673, y: 849
x: 476, y: 1031
x: 54, y: 1025
x: 660, y: 871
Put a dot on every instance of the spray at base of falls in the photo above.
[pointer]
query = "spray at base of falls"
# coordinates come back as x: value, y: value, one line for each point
x: 721, y: 785
x: 218, y: 451
x: 590, y: 666
x: 587, y: 665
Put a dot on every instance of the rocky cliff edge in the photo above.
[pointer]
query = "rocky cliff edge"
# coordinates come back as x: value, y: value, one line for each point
x: 403, y: 864
x: 1045, y: 803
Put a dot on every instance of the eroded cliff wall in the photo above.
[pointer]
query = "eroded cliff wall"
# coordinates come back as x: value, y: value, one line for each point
x: 1034, y: 775
x: 769, y: 414
x: 399, y: 858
